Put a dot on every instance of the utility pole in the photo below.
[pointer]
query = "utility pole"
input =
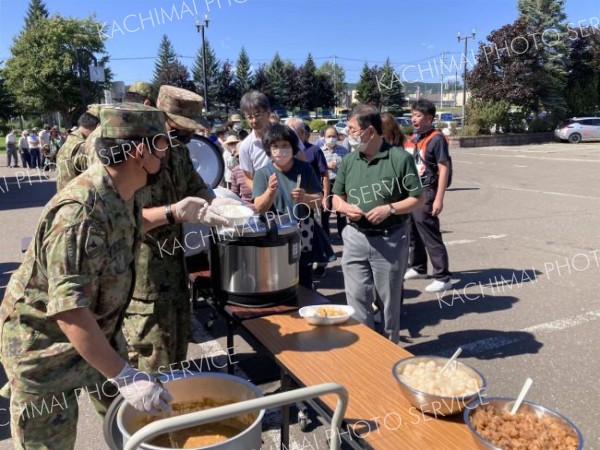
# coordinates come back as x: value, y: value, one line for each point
x: 200, y: 27
x: 442, y: 81
x: 334, y: 86
x: 464, y: 99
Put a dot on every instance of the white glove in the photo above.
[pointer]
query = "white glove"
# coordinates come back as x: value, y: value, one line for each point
x: 222, y: 201
x: 190, y: 208
x: 142, y: 392
x: 209, y: 217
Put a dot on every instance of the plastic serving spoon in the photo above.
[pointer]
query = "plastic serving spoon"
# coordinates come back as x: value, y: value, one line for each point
x: 521, y: 396
x: 451, y: 360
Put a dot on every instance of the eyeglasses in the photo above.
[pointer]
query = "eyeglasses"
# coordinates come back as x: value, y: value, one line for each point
x: 353, y: 131
x: 256, y: 116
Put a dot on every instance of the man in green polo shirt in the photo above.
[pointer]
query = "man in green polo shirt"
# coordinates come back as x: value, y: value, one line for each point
x: 377, y: 187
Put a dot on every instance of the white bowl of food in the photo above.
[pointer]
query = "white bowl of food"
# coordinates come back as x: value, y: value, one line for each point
x: 236, y: 214
x: 326, y: 314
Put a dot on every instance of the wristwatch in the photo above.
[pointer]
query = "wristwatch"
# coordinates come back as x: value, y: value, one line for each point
x: 392, y: 210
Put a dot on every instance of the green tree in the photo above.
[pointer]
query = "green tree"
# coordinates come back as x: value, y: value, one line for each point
x: 291, y: 74
x: 324, y: 95
x: 243, y: 75
x: 260, y: 81
x: 280, y: 88
x: 367, y: 91
x: 212, y: 72
x: 502, y: 75
x: 42, y: 72
x: 307, y: 84
x: 7, y: 101
x: 37, y: 10
x: 390, y: 87
x: 583, y: 80
x: 544, y: 22
x: 168, y: 69
x: 337, y: 75
x: 226, y: 93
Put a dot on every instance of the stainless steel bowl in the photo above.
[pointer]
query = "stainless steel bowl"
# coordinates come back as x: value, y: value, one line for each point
x: 437, y: 405
x: 189, y: 386
x: 507, y: 404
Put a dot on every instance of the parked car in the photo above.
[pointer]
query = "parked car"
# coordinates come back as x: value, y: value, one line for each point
x: 304, y: 115
x: 403, y: 121
x: 579, y: 129
x: 341, y: 126
x: 282, y: 113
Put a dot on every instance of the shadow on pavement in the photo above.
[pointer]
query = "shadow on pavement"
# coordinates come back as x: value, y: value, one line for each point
x: 480, y: 344
x: 26, y: 190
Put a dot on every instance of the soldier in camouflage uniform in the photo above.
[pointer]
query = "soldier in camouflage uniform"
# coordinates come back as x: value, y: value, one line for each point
x: 157, y: 323
x: 141, y: 92
x: 60, y: 320
x: 69, y: 159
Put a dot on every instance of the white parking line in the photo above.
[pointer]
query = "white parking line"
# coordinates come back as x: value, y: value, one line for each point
x: 563, y: 324
x: 485, y: 345
x: 530, y: 157
x: 508, y: 188
x: 459, y: 241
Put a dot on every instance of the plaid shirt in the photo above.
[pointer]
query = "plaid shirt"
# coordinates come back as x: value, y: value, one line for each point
x: 336, y: 155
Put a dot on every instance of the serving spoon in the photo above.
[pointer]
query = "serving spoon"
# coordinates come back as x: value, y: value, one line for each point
x: 521, y: 396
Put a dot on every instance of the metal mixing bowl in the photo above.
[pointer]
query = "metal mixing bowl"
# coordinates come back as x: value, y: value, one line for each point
x: 526, y: 407
x: 437, y: 405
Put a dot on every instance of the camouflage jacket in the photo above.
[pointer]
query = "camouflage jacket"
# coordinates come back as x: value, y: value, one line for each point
x: 160, y: 266
x: 65, y: 160
x: 82, y: 255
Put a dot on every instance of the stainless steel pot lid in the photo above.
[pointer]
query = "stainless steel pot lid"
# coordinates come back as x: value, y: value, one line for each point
x: 207, y: 160
x: 258, y: 227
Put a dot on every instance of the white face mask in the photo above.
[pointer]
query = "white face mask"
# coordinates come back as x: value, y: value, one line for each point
x: 237, y: 126
x: 330, y: 141
x: 357, y: 144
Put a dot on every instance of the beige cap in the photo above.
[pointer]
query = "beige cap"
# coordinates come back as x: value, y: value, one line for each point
x: 183, y: 107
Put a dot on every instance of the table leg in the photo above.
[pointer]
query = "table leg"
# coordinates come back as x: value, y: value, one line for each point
x: 286, y: 384
x: 230, y: 349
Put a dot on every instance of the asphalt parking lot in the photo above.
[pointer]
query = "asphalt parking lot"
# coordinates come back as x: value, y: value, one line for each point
x: 522, y: 226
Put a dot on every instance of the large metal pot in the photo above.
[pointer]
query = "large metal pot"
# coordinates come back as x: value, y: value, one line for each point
x: 195, y: 387
x: 256, y: 264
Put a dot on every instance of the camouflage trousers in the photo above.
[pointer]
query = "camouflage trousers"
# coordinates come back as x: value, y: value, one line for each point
x: 49, y: 421
x: 44, y: 406
x: 158, y: 332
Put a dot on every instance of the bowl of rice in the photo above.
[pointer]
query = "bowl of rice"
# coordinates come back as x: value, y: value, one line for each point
x: 435, y: 391
x: 236, y: 214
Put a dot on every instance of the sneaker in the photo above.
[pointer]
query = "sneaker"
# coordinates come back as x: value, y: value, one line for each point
x: 412, y: 274
x: 319, y: 271
x: 438, y: 286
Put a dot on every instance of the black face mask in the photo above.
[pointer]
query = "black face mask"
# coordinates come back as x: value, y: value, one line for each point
x: 183, y: 136
x: 152, y: 178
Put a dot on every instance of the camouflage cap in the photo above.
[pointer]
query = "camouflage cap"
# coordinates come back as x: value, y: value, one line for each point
x: 94, y: 110
x: 183, y: 107
x: 144, y: 89
x: 131, y: 120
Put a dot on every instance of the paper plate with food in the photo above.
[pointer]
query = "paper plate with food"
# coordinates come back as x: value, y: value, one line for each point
x: 326, y: 314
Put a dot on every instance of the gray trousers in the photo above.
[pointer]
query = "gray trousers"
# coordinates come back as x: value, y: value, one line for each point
x: 11, y: 153
x: 375, y: 262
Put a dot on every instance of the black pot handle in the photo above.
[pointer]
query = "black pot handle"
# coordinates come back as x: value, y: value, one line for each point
x: 271, y: 227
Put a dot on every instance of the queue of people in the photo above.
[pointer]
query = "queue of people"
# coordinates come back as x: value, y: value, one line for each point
x: 36, y: 149
x: 96, y: 301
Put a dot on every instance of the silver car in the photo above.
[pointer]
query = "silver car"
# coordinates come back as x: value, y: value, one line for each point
x: 579, y: 129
